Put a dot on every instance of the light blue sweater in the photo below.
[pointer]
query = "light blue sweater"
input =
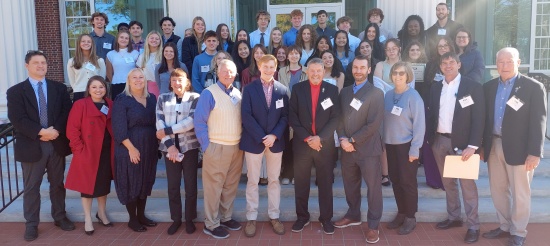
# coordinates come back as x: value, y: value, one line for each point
x: 410, y: 126
x: 199, y: 74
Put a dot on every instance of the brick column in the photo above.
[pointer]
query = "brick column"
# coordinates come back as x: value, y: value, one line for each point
x: 49, y: 36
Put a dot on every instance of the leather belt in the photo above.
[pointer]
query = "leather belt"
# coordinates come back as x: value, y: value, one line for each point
x: 447, y: 135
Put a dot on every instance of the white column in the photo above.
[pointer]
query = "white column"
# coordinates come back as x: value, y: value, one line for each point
x: 19, y: 35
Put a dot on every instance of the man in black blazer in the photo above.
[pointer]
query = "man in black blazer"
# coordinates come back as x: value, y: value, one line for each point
x: 457, y: 110
x: 362, y: 107
x: 313, y: 115
x: 38, y: 108
x: 513, y: 143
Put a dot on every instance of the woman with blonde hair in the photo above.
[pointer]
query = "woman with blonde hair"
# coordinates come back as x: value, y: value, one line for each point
x: 193, y: 45
x: 84, y: 65
x: 211, y: 76
x: 275, y: 41
x: 149, y: 59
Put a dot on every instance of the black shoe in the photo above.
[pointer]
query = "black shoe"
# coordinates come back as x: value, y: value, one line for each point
x: 190, y: 227
x: 407, y: 227
x: 299, y: 225
x: 174, y: 227
x: 218, y: 232
x: 446, y: 224
x: 65, y: 224
x: 496, y: 233
x: 396, y: 222
x: 110, y: 224
x: 89, y: 233
x: 31, y: 233
x: 147, y: 222
x: 136, y: 226
x: 516, y: 241
x: 231, y: 225
x: 386, y: 180
x: 471, y: 236
x: 328, y: 227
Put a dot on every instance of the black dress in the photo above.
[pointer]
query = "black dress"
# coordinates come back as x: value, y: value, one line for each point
x: 131, y: 120
x: 104, y: 173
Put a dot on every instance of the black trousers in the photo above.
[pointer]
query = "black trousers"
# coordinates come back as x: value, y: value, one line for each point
x: 288, y: 157
x: 117, y: 89
x: 33, y: 172
x: 403, y: 175
x: 304, y: 159
x: 174, y: 170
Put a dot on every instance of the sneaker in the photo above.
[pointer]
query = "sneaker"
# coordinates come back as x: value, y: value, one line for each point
x: 218, y: 232
x: 231, y: 225
x: 328, y: 227
x: 278, y: 227
x: 396, y: 222
x: 372, y: 236
x: 250, y: 228
x: 285, y: 181
x: 386, y: 180
x: 299, y: 225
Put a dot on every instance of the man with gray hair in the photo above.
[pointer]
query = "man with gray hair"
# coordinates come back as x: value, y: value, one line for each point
x: 218, y: 128
x: 513, y: 142
x: 313, y: 115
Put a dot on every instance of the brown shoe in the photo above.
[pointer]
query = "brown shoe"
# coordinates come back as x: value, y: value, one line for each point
x: 345, y: 222
x: 250, y: 228
x: 278, y: 227
x: 372, y: 236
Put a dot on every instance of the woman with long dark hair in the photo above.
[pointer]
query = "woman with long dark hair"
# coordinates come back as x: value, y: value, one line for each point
x: 341, y: 48
x: 471, y: 60
x: 412, y: 30
x: 372, y: 35
x: 224, y: 38
x: 334, y: 72
x: 252, y: 73
x: 168, y: 63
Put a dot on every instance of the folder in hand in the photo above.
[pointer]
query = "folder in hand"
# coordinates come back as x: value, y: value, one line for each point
x: 456, y: 168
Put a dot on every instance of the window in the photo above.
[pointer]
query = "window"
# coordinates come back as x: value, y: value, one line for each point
x: 77, y: 15
x: 541, y: 37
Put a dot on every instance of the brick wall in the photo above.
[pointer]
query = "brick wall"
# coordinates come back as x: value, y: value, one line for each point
x: 49, y: 36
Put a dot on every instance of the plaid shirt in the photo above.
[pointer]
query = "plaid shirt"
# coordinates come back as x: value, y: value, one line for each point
x: 174, y: 122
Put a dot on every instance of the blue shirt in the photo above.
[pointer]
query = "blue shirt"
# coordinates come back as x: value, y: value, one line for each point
x: 201, y: 66
x: 34, y: 84
x: 503, y: 93
x: 202, y: 112
x: 255, y: 37
x: 289, y: 38
x: 357, y: 87
x: 101, y: 42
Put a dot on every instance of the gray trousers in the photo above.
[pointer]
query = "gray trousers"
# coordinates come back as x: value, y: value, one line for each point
x: 441, y: 148
x: 368, y: 169
x: 510, y: 190
x: 33, y: 172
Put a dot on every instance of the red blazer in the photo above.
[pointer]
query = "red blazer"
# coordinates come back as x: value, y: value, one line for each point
x: 85, y: 131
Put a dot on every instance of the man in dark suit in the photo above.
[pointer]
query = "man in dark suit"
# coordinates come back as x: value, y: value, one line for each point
x: 513, y: 143
x: 38, y: 108
x: 362, y: 107
x: 457, y: 110
x: 264, y: 111
x: 313, y: 115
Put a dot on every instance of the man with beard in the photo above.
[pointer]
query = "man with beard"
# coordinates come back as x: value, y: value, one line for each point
x: 443, y: 27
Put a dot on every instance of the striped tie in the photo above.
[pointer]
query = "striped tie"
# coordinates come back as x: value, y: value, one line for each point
x: 43, y: 106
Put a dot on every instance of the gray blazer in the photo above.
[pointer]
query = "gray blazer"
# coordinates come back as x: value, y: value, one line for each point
x: 363, y: 124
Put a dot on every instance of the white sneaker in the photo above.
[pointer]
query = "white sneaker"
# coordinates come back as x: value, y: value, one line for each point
x: 285, y: 181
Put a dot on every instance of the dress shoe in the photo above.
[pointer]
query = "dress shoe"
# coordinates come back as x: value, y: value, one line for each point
x: 471, y: 236
x: 190, y: 227
x: 345, y: 222
x: 396, y: 222
x: 136, y: 226
x: 496, y: 233
x: 372, y: 236
x: 89, y: 233
x: 174, y: 227
x: 277, y: 226
x: 147, y: 222
x: 446, y: 224
x: 110, y: 224
x: 516, y: 240
x: 65, y: 224
x: 31, y: 233
x: 250, y: 228
x: 408, y: 226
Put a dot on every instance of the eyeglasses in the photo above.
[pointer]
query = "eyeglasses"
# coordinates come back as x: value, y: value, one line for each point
x: 35, y: 52
x: 462, y: 37
x: 442, y: 46
x: 400, y: 73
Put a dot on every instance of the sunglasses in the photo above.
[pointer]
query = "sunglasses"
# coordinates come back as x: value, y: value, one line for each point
x: 400, y: 73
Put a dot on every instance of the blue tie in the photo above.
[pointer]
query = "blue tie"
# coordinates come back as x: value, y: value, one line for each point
x: 43, y: 106
x: 262, y: 41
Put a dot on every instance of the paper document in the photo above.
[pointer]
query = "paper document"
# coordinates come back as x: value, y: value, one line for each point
x: 456, y: 168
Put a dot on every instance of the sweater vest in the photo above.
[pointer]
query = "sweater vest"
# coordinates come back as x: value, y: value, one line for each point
x: 224, y: 122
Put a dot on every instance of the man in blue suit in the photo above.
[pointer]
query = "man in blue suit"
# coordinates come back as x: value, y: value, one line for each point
x: 264, y: 112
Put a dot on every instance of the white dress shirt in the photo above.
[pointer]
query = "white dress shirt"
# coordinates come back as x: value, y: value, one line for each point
x: 255, y: 37
x: 447, y: 103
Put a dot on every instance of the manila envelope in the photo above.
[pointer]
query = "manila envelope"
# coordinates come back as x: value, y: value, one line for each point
x: 456, y: 168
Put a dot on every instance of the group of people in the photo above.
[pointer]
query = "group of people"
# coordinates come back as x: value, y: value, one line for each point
x: 290, y: 103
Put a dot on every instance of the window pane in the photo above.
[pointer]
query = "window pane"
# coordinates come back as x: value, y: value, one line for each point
x: 148, y: 12
x: 512, y: 27
x: 275, y: 2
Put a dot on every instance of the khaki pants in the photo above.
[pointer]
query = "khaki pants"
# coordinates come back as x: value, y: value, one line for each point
x: 221, y: 171
x: 254, y: 164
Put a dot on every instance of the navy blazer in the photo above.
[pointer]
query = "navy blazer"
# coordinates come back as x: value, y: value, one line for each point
x: 522, y: 130
x: 258, y: 120
x: 23, y: 114
x: 468, y: 122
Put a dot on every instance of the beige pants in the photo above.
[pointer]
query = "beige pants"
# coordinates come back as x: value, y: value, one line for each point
x: 273, y: 165
x: 221, y: 172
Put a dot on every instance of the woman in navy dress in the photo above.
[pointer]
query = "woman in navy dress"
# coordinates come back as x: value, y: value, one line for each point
x: 135, y: 148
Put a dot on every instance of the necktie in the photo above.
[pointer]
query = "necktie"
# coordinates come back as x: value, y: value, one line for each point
x: 43, y: 106
x: 262, y: 41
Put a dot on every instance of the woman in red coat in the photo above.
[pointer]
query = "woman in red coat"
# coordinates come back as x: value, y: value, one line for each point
x: 90, y: 132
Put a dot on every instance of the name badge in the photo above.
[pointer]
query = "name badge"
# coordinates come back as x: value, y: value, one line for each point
x: 205, y: 68
x: 466, y: 101
x: 107, y: 46
x: 104, y: 110
x: 327, y: 103
x: 515, y: 103
x: 178, y: 108
x: 441, y: 32
x: 396, y: 110
x: 235, y: 100
x: 128, y: 59
x: 90, y: 67
x: 356, y: 104
x: 382, y: 38
x: 279, y: 104
x: 439, y: 77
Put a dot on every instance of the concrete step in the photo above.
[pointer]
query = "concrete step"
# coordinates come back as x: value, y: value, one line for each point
x: 429, y: 210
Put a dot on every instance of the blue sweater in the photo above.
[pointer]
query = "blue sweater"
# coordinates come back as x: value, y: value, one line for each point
x: 410, y: 126
x: 199, y: 75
